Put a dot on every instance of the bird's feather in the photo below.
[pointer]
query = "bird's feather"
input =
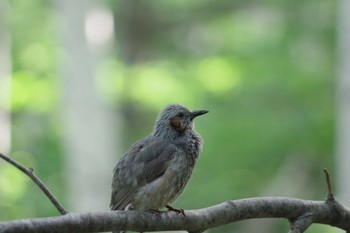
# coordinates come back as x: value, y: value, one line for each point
x: 147, y: 160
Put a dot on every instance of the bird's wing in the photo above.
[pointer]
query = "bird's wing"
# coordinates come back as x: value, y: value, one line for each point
x: 143, y: 163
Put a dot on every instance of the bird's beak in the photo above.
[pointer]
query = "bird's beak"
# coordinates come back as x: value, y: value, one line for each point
x: 196, y: 113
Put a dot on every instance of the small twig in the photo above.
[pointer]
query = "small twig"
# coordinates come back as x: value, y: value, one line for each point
x: 300, y: 224
x: 30, y: 172
x: 330, y: 196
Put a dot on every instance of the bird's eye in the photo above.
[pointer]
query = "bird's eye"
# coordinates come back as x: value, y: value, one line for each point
x: 181, y: 114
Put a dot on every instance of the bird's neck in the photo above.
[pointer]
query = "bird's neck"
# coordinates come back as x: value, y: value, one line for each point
x: 189, y: 140
x: 171, y: 134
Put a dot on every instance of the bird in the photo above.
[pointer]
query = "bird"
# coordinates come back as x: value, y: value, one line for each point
x: 153, y: 173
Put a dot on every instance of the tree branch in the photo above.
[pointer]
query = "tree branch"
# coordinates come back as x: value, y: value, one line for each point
x: 300, y: 213
x: 304, y: 212
x: 30, y: 172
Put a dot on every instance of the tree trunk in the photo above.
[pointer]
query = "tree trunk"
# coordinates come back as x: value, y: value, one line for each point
x: 89, y: 134
x: 5, y: 79
x: 343, y: 102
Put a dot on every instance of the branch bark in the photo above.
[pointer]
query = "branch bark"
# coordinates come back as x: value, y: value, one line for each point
x: 301, y: 213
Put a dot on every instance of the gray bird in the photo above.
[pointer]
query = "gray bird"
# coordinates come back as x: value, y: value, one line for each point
x: 156, y: 169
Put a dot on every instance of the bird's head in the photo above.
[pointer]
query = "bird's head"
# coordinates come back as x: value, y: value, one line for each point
x: 175, y: 120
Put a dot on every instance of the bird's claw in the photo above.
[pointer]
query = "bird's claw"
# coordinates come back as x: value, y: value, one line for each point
x: 178, y: 211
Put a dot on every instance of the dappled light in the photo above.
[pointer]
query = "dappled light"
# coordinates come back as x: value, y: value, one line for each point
x: 37, y: 57
x: 13, y: 184
x: 158, y: 84
x: 33, y: 92
x: 96, y: 34
x: 218, y: 75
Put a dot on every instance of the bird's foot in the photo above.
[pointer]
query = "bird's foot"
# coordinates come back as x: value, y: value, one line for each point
x: 178, y: 211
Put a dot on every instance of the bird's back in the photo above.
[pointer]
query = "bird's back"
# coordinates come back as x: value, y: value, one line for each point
x: 145, y: 161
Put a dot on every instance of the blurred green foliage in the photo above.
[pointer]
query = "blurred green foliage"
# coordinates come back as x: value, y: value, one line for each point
x: 264, y: 70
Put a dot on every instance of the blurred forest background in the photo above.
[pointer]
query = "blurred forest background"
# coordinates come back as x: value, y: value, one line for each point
x: 80, y: 81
